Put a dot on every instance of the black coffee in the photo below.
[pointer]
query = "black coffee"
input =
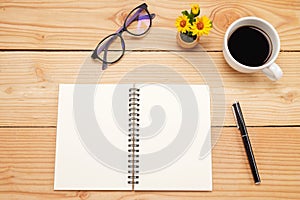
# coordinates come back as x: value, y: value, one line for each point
x: 250, y: 46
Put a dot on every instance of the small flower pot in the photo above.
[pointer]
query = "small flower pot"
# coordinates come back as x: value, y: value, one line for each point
x: 186, y: 41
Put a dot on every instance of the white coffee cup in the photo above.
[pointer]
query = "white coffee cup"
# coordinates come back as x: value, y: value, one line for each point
x: 269, y: 68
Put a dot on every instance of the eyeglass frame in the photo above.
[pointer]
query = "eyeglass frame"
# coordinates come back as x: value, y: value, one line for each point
x: 119, y: 32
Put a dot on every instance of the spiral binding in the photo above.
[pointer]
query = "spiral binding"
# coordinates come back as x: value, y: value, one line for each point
x: 133, y: 136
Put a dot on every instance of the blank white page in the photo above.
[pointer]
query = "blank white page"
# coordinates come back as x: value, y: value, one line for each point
x: 91, y: 141
x: 174, y: 125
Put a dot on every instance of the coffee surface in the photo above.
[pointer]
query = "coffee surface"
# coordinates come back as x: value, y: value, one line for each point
x: 250, y: 46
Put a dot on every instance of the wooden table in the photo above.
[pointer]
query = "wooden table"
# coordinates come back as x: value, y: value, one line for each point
x: 44, y: 43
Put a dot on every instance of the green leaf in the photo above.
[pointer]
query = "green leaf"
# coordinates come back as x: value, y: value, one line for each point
x: 185, y: 13
x: 190, y: 17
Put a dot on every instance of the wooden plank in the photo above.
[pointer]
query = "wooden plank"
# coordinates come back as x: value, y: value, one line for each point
x: 27, y: 158
x: 81, y: 25
x: 29, y: 84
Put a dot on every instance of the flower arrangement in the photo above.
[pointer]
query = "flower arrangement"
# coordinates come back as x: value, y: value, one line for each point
x: 191, y: 26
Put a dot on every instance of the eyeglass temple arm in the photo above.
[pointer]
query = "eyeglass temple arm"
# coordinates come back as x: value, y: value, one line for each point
x: 135, y: 18
x: 152, y: 15
x: 104, y: 63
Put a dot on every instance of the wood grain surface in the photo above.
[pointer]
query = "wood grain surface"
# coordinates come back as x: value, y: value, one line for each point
x: 82, y: 24
x: 29, y: 84
x: 45, y: 43
x: 27, y: 167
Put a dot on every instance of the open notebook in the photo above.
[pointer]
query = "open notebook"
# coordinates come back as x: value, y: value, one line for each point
x: 133, y: 137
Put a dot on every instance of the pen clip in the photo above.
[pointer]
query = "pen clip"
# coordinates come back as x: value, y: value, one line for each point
x: 235, y: 118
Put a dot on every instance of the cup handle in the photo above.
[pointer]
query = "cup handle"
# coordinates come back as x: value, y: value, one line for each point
x: 273, y: 72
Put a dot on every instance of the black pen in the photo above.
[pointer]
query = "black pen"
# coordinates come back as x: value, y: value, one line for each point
x: 237, y: 112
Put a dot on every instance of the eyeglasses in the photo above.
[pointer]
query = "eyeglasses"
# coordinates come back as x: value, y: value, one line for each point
x: 112, y: 48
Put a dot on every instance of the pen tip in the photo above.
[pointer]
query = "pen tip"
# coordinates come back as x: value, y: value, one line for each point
x: 235, y: 102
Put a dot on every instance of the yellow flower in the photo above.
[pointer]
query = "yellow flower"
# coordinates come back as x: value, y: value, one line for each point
x: 201, y: 26
x: 182, y: 24
x: 195, y: 9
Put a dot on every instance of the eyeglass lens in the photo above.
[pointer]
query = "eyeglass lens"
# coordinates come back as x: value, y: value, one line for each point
x: 110, y: 49
x: 138, y: 22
